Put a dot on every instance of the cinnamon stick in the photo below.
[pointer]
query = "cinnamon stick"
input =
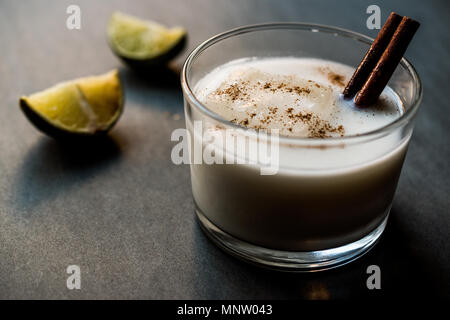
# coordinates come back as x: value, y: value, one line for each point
x: 389, y: 60
x: 372, y: 56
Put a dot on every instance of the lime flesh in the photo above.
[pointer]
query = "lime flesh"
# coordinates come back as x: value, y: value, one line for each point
x: 137, y: 39
x: 86, y: 106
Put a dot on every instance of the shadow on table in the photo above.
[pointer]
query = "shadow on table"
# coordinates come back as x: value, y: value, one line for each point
x: 156, y: 88
x: 51, y: 167
x: 404, y: 274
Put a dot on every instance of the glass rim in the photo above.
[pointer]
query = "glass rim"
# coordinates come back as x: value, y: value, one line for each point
x: 312, y: 27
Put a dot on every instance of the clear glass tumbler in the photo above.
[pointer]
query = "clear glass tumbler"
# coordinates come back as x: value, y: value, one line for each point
x: 329, y: 201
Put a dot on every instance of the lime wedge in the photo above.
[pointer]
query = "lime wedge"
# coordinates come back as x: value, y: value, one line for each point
x: 82, y: 107
x: 140, y: 41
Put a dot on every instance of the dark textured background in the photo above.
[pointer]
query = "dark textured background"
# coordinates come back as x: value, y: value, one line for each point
x: 124, y: 213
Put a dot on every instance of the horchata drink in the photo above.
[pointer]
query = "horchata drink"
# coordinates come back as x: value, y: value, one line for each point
x: 285, y: 171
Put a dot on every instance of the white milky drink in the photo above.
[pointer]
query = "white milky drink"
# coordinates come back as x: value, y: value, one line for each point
x: 322, y: 196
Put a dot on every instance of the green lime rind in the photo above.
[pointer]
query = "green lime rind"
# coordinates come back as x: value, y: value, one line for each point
x: 52, y: 130
x: 156, y: 62
x: 85, y: 107
x: 136, y: 40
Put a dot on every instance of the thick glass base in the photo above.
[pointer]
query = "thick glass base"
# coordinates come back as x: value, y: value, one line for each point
x: 309, y: 261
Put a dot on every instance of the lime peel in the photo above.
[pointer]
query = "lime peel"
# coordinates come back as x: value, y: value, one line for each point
x: 84, y: 106
x: 133, y: 38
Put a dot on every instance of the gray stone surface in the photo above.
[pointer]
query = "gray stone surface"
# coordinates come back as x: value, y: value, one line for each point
x: 124, y: 213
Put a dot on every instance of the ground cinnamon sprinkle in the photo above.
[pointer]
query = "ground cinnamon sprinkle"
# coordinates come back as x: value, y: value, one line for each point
x: 284, y: 87
x: 317, y: 127
x: 336, y: 79
x: 238, y: 90
x: 300, y: 90
x: 291, y: 121
x: 273, y: 110
x: 234, y: 91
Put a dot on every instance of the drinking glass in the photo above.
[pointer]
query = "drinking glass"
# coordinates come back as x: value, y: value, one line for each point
x: 329, y: 202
